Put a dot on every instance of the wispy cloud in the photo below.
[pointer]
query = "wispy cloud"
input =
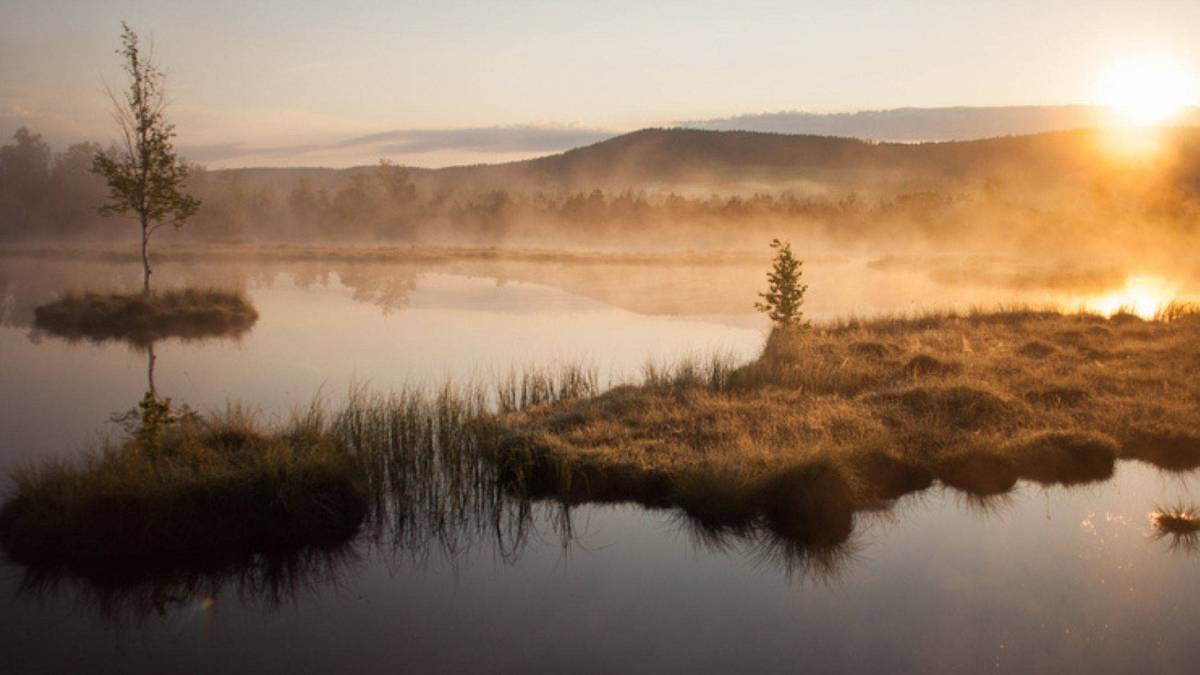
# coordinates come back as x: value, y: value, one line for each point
x: 524, y: 138
x: 472, y: 144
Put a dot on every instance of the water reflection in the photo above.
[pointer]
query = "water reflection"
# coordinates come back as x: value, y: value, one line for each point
x: 887, y: 283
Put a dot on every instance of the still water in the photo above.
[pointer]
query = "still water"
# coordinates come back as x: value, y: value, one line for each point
x: 1039, y: 579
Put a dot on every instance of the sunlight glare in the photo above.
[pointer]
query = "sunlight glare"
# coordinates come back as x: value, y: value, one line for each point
x: 1147, y: 90
x: 1143, y: 295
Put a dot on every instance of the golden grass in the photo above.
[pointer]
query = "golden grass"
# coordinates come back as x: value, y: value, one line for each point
x: 848, y: 416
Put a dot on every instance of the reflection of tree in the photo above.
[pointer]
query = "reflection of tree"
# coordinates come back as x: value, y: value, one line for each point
x: 150, y: 359
x: 27, y: 284
x: 388, y: 287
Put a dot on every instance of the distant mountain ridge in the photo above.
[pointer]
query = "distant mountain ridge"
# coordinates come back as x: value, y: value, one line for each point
x: 744, y: 161
x: 927, y: 124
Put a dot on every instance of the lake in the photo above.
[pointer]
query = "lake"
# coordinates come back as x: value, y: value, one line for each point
x: 1038, y: 579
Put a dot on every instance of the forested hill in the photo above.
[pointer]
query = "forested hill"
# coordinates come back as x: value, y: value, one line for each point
x: 653, y: 181
x: 727, y: 161
x: 723, y: 161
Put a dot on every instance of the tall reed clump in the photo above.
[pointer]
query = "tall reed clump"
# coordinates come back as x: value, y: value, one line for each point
x: 182, y: 487
x: 542, y: 386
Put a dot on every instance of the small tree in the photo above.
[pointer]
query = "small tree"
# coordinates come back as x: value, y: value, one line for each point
x: 785, y: 293
x: 145, y: 176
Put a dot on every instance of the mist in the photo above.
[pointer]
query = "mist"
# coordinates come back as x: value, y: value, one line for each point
x: 1129, y: 196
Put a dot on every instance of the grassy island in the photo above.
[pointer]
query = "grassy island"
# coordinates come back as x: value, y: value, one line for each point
x: 142, y: 319
x: 846, y: 417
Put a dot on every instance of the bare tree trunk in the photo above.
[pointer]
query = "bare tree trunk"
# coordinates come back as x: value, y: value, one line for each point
x: 145, y: 260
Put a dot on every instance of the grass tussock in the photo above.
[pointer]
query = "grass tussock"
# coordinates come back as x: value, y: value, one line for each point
x: 849, y: 416
x: 143, y: 319
x: 1179, y: 525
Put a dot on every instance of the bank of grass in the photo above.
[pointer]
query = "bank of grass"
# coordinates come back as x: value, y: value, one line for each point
x: 849, y: 416
x: 142, y: 319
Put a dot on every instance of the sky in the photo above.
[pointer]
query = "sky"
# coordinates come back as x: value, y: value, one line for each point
x: 447, y: 82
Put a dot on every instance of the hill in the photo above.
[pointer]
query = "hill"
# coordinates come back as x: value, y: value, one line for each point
x: 726, y: 161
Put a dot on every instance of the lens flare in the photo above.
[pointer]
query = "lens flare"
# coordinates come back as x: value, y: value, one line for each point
x: 1147, y: 90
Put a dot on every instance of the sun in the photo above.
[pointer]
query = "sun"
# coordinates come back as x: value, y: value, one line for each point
x: 1147, y: 89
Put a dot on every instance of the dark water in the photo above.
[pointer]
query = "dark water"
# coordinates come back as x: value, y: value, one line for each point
x: 1039, y: 579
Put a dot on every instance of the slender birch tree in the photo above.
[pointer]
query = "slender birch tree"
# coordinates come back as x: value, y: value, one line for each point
x: 145, y: 176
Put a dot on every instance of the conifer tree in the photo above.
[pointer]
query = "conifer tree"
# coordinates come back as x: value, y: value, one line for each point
x: 785, y: 293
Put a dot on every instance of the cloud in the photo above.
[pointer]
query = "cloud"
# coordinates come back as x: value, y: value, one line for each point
x: 524, y: 138
x: 464, y: 145
x: 220, y: 152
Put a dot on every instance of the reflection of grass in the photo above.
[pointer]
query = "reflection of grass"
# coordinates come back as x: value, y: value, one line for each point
x: 1179, y: 524
x: 187, y: 313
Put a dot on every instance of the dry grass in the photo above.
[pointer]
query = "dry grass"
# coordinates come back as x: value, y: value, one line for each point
x: 142, y: 319
x: 849, y: 416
